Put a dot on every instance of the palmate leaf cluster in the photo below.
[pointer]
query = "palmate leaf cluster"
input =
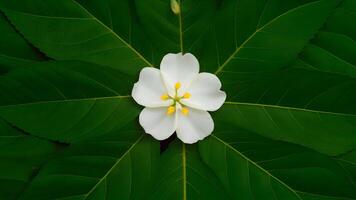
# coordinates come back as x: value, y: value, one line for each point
x: 69, y: 128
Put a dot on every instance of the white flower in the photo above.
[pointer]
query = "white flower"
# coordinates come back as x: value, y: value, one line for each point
x: 177, y: 98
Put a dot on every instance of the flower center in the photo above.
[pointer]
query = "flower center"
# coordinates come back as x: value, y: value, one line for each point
x: 176, y: 100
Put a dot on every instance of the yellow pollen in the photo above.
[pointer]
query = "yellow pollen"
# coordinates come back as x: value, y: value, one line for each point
x: 164, y: 97
x: 185, y: 111
x: 186, y: 95
x: 171, y: 110
x: 178, y: 85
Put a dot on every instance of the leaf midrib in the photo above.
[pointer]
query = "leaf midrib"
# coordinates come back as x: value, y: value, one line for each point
x: 184, y: 159
x: 184, y: 172
x: 180, y: 26
x: 255, y: 164
x: 66, y: 101
x: 113, y: 167
x: 289, y: 108
x: 114, y: 33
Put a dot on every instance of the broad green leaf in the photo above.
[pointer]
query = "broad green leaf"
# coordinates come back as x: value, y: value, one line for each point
x: 65, y: 30
x: 255, y: 167
x: 267, y: 47
x: 294, y: 104
x: 66, y: 101
x: 13, y: 45
x: 118, y: 166
x: 149, y: 26
x: 47, y: 103
x: 348, y: 163
x: 333, y: 49
x: 8, y: 63
x: 21, y: 158
x: 242, y: 177
x: 182, y: 175
x: 258, y: 35
x: 15, y: 50
x: 315, y: 129
x: 72, y: 120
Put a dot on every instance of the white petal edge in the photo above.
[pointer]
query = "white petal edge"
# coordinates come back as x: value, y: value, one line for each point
x: 157, y: 123
x: 179, y: 68
x: 205, y: 93
x: 149, y: 89
x: 195, y: 126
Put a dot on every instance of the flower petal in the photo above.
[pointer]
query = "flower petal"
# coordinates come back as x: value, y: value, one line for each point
x: 195, y: 126
x: 205, y: 93
x: 157, y: 123
x: 179, y: 68
x: 149, y: 89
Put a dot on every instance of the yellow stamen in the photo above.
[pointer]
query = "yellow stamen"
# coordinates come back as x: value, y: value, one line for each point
x: 164, y: 97
x: 178, y: 85
x: 171, y: 110
x: 186, y: 95
x: 185, y: 111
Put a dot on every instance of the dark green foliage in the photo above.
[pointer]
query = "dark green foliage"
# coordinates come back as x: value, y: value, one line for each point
x: 69, y: 128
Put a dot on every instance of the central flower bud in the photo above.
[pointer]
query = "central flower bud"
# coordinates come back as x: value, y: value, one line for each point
x: 176, y: 101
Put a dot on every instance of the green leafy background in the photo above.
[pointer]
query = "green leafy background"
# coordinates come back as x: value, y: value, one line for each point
x: 69, y: 128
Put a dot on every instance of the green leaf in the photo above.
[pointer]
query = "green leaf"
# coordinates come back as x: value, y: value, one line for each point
x: 250, y: 36
x: 71, y: 32
x: 66, y: 101
x: 182, y: 175
x: 251, y: 166
x: 21, y: 157
x: 348, y: 163
x: 333, y: 49
x: 13, y: 45
x: 253, y: 61
x: 298, y: 99
x: 73, y: 119
x: 247, y: 180
x: 315, y: 129
x: 115, y: 167
x: 15, y: 50
x: 148, y: 26
x: 266, y: 45
x: 286, y: 132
